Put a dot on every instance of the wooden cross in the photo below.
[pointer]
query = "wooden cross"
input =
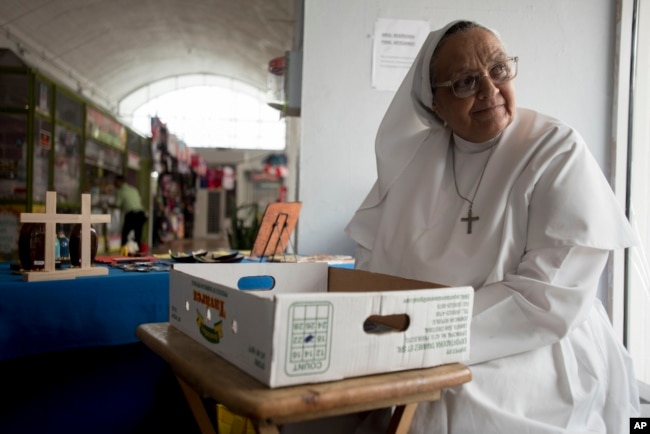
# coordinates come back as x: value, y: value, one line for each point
x: 51, y: 218
x: 469, y: 219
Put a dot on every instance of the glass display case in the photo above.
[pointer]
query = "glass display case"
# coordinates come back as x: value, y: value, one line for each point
x: 42, y: 151
x: 104, y: 159
x: 14, y: 89
x: 13, y: 156
x: 52, y: 139
x: 67, y: 165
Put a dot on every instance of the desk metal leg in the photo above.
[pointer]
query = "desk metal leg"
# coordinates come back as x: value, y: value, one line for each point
x: 198, y: 409
x: 401, y: 419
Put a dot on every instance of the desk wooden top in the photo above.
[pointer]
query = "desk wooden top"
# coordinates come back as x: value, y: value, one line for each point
x: 213, y: 377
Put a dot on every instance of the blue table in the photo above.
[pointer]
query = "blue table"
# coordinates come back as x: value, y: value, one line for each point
x: 86, y: 312
x: 40, y: 317
x: 70, y: 361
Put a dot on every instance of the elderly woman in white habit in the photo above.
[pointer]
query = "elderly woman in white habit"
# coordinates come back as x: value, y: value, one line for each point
x: 474, y: 191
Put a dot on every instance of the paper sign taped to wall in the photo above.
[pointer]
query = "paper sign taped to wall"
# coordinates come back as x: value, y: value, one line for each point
x: 396, y: 44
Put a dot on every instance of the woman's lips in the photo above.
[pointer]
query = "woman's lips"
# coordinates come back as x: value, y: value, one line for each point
x: 487, y: 111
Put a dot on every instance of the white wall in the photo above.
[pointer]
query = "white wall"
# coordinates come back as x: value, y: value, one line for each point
x: 566, y: 51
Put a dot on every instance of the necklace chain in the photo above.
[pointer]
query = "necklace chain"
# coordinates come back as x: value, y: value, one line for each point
x: 470, y: 218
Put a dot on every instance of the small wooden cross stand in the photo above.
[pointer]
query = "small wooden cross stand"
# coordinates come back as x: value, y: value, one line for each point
x: 51, y: 218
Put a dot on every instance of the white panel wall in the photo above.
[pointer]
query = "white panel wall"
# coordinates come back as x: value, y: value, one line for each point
x: 566, y: 50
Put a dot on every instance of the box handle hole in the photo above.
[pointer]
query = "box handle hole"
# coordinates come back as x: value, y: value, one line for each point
x: 381, y: 324
x: 256, y: 283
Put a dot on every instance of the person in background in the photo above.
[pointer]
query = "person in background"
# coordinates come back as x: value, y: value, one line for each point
x: 127, y: 199
x: 472, y: 190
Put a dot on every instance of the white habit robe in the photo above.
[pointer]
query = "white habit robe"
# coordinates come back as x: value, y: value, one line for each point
x: 543, y: 354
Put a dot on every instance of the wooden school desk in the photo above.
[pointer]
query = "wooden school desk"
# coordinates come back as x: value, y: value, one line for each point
x: 203, y: 374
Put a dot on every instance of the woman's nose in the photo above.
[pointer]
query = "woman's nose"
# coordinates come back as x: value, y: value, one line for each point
x: 487, y: 88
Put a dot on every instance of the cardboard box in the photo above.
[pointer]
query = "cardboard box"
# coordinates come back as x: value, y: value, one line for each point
x: 295, y: 323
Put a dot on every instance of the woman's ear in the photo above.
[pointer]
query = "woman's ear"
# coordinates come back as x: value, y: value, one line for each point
x: 436, y: 109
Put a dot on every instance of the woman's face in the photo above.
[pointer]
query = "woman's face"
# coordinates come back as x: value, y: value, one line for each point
x: 489, y: 111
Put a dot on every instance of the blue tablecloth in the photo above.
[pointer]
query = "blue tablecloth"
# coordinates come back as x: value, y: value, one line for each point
x: 70, y: 360
x: 86, y: 312
x: 40, y: 317
x: 71, y: 363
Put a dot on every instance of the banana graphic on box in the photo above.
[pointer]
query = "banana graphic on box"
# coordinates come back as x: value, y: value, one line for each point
x: 211, y: 334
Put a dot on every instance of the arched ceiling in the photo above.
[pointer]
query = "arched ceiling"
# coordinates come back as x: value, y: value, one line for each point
x: 108, y: 49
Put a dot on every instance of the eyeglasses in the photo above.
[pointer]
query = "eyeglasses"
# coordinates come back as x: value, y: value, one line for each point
x: 468, y: 84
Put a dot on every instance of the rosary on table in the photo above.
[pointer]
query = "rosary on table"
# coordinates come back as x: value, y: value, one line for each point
x: 470, y: 217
